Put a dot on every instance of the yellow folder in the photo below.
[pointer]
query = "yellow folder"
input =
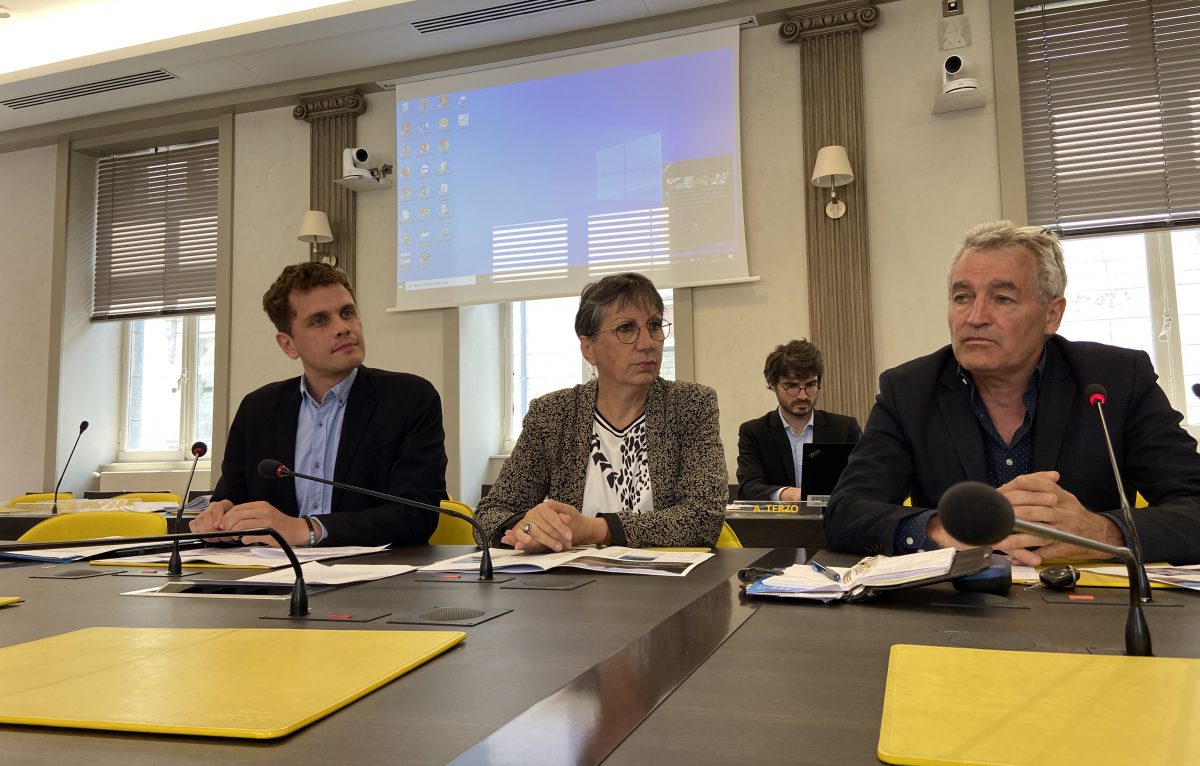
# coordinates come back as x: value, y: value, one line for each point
x: 946, y: 705
x: 257, y: 683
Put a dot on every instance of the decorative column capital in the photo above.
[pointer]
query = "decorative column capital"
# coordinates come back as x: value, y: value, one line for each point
x: 329, y: 103
x: 827, y: 19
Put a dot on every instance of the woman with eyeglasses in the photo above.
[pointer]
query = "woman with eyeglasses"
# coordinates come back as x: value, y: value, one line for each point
x: 625, y: 459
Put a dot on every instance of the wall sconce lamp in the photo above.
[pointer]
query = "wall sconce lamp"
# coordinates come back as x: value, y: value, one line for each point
x: 314, y: 229
x: 832, y: 170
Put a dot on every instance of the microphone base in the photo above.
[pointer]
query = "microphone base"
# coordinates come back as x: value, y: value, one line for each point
x: 328, y: 617
x: 460, y: 617
x: 1091, y: 597
x: 460, y: 578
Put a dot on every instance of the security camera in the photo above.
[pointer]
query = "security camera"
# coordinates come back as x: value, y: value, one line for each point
x: 354, y: 164
x: 953, y: 81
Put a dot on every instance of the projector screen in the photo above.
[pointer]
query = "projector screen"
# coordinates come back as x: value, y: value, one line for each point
x: 530, y: 180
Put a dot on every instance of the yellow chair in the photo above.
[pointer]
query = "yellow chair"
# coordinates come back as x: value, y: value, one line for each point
x: 1139, y: 501
x: 38, y: 497
x: 149, y: 497
x: 728, y: 538
x: 93, y: 524
x: 452, y: 531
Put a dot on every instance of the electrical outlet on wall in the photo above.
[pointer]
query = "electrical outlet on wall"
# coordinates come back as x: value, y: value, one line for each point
x: 952, y: 7
x: 954, y: 33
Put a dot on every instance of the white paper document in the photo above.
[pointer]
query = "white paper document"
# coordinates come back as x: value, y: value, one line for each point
x: 253, y: 557
x: 614, y: 558
x: 316, y: 573
x: 77, y: 553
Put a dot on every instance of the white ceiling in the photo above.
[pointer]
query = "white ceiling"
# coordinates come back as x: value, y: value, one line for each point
x: 338, y: 38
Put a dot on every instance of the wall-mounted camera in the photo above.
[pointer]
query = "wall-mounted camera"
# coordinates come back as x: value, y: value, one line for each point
x: 358, y: 176
x: 954, y: 79
x: 354, y: 163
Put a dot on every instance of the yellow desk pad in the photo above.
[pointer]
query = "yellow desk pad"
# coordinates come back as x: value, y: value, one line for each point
x: 946, y: 705
x: 204, y: 682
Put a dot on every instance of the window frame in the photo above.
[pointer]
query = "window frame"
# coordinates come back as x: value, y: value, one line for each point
x: 678, y: 309
x: 1011, y: 167
x: 188, y: 399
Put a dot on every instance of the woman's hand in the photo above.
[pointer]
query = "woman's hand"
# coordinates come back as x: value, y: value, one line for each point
x: 554, y: 526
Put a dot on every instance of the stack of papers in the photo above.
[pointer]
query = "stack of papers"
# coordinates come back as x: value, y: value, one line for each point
x: 81, y: 552
x: 803, y: 581
x: 611, y: 559
x: 1182, y: 576
x: 43, y: 507
x: 252, y: 557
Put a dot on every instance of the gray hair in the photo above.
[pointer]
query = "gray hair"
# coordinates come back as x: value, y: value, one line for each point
x: 1051, y: 277
x: 628, y: 289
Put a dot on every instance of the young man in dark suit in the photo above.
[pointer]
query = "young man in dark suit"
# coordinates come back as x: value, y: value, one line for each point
x: 339, y: 420
x: 769, y: 447
x: 1004, y: 404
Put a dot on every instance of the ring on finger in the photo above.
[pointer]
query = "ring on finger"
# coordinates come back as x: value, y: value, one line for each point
x: 528, y: 526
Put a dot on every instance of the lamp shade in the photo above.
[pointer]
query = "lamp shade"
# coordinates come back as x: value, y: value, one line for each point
x: 832, y: 167
x: 315, y: 228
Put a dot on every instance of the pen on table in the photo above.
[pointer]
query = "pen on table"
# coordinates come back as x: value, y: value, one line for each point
x: 819, y: 567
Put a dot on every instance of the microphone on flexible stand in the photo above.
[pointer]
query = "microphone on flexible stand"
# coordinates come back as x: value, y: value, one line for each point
x: 299, y: 600
x: 273, y: 469
x: 83, y: 426
x: 1196, y: 389
x: 1097, y: 396
x: 175, y: 565
x: 976, y: 514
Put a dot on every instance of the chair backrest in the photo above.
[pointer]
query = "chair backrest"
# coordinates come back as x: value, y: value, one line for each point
x: 89, y: 525
x: 38, y: 497
x: 452, y: 531
x: 728, y: 538
x: 149, y: 497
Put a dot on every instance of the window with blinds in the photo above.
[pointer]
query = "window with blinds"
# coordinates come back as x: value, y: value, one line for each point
x: 1110, y: 113
x: 156, y: 233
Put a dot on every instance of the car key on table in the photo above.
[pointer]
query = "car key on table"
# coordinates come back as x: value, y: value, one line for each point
x: 1058, y: 577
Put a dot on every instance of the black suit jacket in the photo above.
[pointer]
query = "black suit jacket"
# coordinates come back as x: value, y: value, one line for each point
x: 392, y: 441
x: 922, y: 437
x: 765, y: 454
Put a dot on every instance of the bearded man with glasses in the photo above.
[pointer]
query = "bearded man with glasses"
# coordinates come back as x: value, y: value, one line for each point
x: 627, y: 458
x: 770, y: 454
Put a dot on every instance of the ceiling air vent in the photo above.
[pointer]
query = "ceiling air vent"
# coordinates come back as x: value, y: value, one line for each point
x: 88, y: 89
x: 495, y: 13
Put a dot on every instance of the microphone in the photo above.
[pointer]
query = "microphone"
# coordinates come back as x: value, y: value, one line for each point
x: 299, y: 599
x: 83, y: 426
x: 1097, y: 396
x: 1196, y: 389
x: 976, y: 514
x: 175, y: 565
x: 273, y: 469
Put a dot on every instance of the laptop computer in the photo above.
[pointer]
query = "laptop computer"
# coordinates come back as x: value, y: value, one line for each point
x: 823, y: 466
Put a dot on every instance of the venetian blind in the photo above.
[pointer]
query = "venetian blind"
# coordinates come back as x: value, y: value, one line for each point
x: 1110, y: 113
x: 156, y: 233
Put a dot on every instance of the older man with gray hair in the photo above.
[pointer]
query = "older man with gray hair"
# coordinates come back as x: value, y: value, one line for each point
x: 1004, y: 404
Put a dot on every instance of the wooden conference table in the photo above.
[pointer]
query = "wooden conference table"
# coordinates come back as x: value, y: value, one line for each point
x: 568, y: 676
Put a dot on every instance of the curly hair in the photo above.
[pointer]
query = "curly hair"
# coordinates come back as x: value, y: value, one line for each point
x: 300, y: 277
x: 796, y: 357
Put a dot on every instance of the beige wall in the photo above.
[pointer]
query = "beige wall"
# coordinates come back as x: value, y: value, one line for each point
x: 929, y: 178
x: 26, y: 218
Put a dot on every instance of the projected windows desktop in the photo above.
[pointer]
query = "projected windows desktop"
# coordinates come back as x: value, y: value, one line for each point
x: 532, y: 188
